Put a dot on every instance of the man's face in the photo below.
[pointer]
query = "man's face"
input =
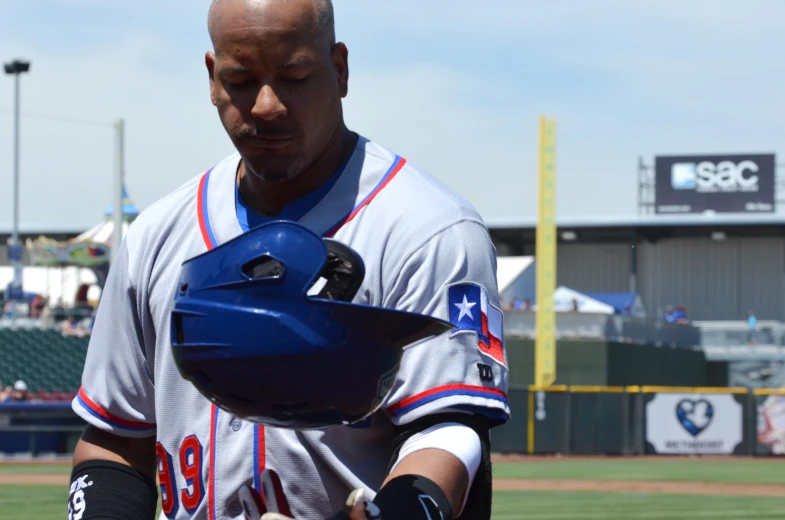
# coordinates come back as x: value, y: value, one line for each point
x: 277, y: 84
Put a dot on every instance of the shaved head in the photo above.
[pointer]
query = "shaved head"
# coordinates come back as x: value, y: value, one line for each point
x: 323, y: 11
x: 277, y: 77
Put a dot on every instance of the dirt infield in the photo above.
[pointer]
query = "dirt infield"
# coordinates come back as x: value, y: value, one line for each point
x: 688, y: 488
x: 35, y: 480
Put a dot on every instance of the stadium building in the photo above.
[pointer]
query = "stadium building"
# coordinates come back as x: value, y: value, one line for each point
x: 619, y: 353
x: 719, y: 268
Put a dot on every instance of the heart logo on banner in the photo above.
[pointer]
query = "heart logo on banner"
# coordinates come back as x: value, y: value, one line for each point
x: 694, y: 415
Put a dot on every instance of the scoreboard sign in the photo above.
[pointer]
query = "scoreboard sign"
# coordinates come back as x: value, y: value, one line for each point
x: 715, y: 183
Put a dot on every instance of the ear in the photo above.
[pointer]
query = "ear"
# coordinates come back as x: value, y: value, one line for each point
x: 340, y: 56
x: 209, y: 61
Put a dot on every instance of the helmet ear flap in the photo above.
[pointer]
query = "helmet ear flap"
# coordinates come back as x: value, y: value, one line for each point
x: 342, y: 275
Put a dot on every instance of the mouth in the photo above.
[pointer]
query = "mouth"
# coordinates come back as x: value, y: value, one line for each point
x: 271, y: 142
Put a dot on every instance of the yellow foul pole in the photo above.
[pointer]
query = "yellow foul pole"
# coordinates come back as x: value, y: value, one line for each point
x: 545, y: 344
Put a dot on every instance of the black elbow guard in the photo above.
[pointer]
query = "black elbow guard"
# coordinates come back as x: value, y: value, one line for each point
x: 102, y: 489
x: 413, y: 497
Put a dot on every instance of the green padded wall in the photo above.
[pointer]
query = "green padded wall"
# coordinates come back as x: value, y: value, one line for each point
x: 591, y: 362
x: 45, y: 359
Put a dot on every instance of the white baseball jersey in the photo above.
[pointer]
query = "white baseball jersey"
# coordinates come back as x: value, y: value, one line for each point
x: 425, y: 249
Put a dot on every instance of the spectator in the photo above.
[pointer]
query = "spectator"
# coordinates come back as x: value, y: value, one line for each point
x: 81, y: 295
x: 58, y: 312
x: 680, y: 315
x: 677, y: 315
x: 81, y: 305
x: 76, y: 325
x: 575, y: 307
x: 20, y: 392
x: 46, y: 319
x: 8, y: 309
x: 752, y: 329
x: 37, y: 304
x: 5, y: 393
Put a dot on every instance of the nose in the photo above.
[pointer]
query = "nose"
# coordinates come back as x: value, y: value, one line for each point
x: 268, y: 106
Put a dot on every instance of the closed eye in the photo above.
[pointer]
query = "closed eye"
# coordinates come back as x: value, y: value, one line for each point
x: 296, y: 79
x: 237, y: 85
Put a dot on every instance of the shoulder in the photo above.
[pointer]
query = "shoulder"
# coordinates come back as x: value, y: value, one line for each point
x: 416, y: 206
x: 416, y: 185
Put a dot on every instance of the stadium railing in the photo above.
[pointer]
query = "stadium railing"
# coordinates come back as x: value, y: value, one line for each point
x: 49, y: 429
x: 607, y: 327
x: 733, y: 333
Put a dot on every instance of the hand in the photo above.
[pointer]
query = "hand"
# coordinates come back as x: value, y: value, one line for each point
x: 272, y: 497
x: 357, y: 507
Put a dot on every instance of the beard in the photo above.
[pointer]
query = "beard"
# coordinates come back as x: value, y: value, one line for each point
x: 275, y: 173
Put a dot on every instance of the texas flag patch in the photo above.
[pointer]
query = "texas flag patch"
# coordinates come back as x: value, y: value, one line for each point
x: 470, y: 310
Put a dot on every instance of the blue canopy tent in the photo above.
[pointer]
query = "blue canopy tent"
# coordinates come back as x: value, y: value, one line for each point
x: 130, y: 211
x: 624, y: 303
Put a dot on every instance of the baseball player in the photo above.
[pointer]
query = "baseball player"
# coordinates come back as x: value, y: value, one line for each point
x: 277, y: 78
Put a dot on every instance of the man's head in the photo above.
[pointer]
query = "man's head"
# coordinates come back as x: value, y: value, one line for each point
x: 277, y: 77
x: 20, y: 391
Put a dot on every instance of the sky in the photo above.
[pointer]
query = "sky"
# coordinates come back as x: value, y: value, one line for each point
x: 454, y: 86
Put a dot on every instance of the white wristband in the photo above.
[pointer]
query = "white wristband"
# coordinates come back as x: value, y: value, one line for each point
x: 454, y: 438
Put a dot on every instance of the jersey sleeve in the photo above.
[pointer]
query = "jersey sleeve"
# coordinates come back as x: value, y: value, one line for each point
x: 117, y: 385
x: 452, y: 276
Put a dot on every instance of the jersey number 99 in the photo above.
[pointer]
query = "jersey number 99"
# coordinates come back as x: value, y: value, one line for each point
x: 190, y: 467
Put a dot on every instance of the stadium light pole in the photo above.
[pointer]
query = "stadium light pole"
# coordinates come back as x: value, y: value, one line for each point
x: 119, y: 183
x: 16, y: 68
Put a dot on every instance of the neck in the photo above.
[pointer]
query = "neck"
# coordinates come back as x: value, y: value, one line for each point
x: 270, y: 198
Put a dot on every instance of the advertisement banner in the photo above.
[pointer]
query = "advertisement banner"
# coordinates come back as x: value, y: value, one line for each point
x: 771, y: 424
x: 693, y: 424
x: 715, y: 183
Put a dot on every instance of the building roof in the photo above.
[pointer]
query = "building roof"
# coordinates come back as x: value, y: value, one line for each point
x: 639, y: 221
x: 519, y: 233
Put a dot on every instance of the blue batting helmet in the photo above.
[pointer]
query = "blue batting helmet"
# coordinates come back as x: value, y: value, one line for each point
x: 263, y: 326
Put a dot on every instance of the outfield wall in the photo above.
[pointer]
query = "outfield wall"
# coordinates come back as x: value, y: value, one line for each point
x: 576, y: 420
x: 643, y: 420
x: 604, y: 363
x: 48, y: 429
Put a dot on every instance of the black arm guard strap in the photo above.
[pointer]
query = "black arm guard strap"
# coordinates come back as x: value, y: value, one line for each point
x: 412, y: 497
x: 479, y: 502
x: 101, y: 489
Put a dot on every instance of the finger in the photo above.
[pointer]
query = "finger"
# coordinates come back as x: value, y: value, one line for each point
x: 359, y: 507
x: 273, y: 493
x: 275, y: 516
x: 253, y: 508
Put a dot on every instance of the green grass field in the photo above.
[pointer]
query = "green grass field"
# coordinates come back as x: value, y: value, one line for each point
x: 732, y: 471
x: 34, y: 502
x: 559, y: 505
x: 24, y: 502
